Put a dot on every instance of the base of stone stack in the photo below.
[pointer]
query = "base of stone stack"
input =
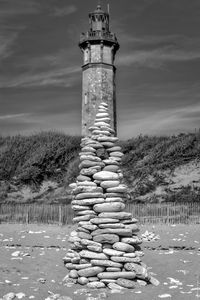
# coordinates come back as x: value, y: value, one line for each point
x: 105, y: 249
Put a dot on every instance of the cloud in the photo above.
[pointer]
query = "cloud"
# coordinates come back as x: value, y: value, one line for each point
x: 13, y: 116
x: 62, y: 77
x: 9, y: 8
x: 159, y: 56
x: 6, y: 43
x: 64, y: 11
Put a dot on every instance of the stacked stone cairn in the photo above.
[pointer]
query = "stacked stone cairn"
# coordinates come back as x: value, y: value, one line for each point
x: 105, y: 247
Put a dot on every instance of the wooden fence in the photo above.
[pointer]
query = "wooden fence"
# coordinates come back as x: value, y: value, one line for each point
x: 168, y: 213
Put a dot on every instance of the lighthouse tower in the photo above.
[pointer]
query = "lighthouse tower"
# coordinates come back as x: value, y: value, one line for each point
x: 99, y: 46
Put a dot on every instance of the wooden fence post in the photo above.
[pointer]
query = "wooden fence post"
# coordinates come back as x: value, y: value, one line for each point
x: 60, y: 215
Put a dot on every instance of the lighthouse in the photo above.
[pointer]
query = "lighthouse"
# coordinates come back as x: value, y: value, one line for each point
x: 99, y: 46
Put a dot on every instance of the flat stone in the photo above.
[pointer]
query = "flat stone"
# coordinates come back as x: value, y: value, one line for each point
x: 89, y: 201
x: 92, y: 255
x: 114, y: 199
x: 130, y: 254
x: 115, y: 287
x: 105, y: 175
x: 107, y: 144
x: 123, y: 259
x: 126, y: 283
x: 111, y: 168
x: 80, y: 207
x: 98, y: 221
x: 88, y: 171
x: 115, y: 148
x: 105, y: 263
x: 109, y: 183
x: 102, y: 115
x: 93, y: 278
x: 90, y: 272
x: 86, y: 242
x: 99, y: 124
x: 141, y: 282
x: 71, y: 266
x: 118, y: 231
x: 73, y: 274
x: 89, y: 157
x: 112, y: 252
x: 116, y: 275
x: 83, y: 178
x: 84, y: 235
x: 111, y: 225
x: 86, y: 212
x: 116, y: 154
x: 88, y: 149
x: 106, y: 238
x: 154, y: 281
x: 90, y: 227
x: 109, y: 207
x: 123, y: 247
x: 115, y: 215
x: 86, y: 183
x: 96, y: 285
x: 94, y: 248
x: 118, y: 189
x: 131, y: 221
x: 88, y: 195
x: 107, y: 281
x: 140, y: 271
x: 82, y: 280
x: 106, y: 120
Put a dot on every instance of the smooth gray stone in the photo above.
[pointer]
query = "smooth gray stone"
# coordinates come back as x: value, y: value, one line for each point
x: 118, y: 231
x: 112, y: 252
x: 89, y: 157
x: 86, y: 242
x: 118, y: 189
x: 123, y: 259
x: 116, y: 275
x: 116, y: 154
x: 82, y: 218
x: 82, y: 280
x: 115, y: 215
x: 126, y: 283
x: 94, y: 248
x: 111, y: 225
x: 88, y: 149
x: 106, y: 175
x: 98, y: 220
x: 140, y: 271
x: 109, y: 207
x: 84, y: 235
x: 123, y: 247
x: 105, y: 263
x: 90, y: 227
x: 89, y: 201
x: 90, y: 272
x: 88, y: 195
x: 92, y: 255
x: 83, y: 178
x: 71, y: 266
x: 132, y: 241
x: 85, y: 212
x: 111, y: 168
x: 80, y: 207
x: 109, y: 183
x: 115, y: 148
x: 96, y: 285
x: 106, y: 238
x: 93, y: 278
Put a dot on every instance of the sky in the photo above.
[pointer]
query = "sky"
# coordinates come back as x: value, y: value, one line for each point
x: 158, y: 65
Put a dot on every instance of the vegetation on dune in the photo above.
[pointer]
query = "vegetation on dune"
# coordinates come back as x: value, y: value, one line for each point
x: 32, y: 159
x: 29, y: 160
